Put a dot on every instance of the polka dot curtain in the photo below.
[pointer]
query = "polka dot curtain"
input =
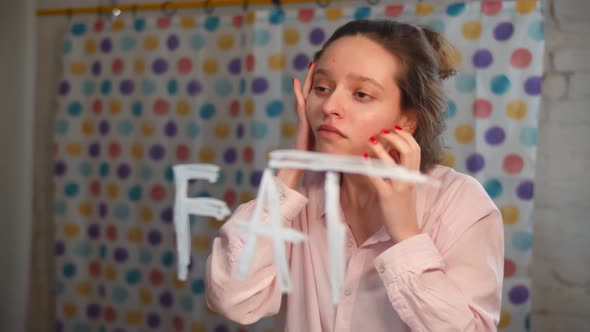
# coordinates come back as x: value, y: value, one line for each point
x: 139, y: 95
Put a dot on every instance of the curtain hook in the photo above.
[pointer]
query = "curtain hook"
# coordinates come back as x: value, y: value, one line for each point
x: 69, y: 14
x: 245, y: 5
x: 323, y: 3
x: 373, y: 2
x: 167, y: 11
x: 208, y: 8
x: 277, y: 4
x: 134, y: 11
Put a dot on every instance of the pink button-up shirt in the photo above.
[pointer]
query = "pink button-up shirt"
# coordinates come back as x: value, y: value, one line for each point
x: 448, y: 278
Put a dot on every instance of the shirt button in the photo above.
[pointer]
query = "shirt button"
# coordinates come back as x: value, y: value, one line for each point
x: 349, y: 244
x: 381, y: 269
x: 347, y: 292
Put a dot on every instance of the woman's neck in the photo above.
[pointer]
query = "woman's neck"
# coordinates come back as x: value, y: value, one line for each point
x: 358, y: 201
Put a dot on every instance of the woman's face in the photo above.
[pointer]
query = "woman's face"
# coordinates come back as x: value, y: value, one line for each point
x: 353, y: 96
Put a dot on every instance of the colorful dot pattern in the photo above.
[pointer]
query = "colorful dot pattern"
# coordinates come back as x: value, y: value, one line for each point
x: 140, y: 94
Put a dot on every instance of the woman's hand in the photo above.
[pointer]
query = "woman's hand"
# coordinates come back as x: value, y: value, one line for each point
x: 397, y: 199
x: 304, y: 139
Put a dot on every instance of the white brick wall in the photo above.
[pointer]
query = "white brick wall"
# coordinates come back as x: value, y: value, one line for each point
x: 561, y: 263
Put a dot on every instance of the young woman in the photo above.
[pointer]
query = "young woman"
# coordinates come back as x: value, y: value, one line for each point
x: 418, y: 258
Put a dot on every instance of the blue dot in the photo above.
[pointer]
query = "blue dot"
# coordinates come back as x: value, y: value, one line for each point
x: 287, y: 85
x: 437, y: 25
x: 493, y: 187
x: 67, y: 46
x: 59, y: 208
x: 120, y: 295
x: 146, y: 172
x: 168, y: 259
x: 197, y: 42
x: 71, y: 189
x: 207, y: 111
x: 528, y: 136
x: 83, y: 249
x: 198, y: 286
x: 172, y: 87
x: 133, y: 276
x: 276, y: 16
x: 125, y: 127
x: 259, y: 130
x: 78, y: 29
x: 102, y: 251
x: 128, y: 43
x: 212, y: 23
x: 137, y: 108
x: 106, y: 87
x: 135, y: 193
x: 500, y: 84
x: 80, y: 327
x: 451, y: 110
x: 223, y: 87
x: 61, y: 126
x: 69, y: 270
x: 537, y: 30
x: 186, y: 303
x: 169, y: 174
x: 362, y: 13
x: 260, y: 37
x: 121, y: 211
x: 522, y: 240
x: 88, y: 88
x: 239, y: 177
x: 104, y: 169
x: 274, y: 109
x: 139, y: 24
x: 145, y: 257
x: 221, y: 178
x: 148, y: 87
x: 243, y: 86
x: 192, y: 130
x: 85, y: 169
x: 465, y: 82
x: 75, y: 108
x: 456, y: 9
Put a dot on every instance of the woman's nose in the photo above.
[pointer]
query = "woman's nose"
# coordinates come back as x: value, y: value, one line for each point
x: 333, y: 105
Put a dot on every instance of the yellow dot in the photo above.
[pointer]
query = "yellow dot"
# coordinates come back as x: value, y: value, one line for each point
x: 183, y: 107
x: 179, y: 284
x: 505, y: 319
x: 464, y: 133
x: 198, y: 327
x: 250, y: 17
x: 288, y: 129
x: 118, y: 25
x: 201, y: 243
x: 70, y: 310
x: 471, y: 30
x: 137, y: 151
x: 148, y: 129
x: 138, y: 66
x: 424, y: 9
x: 133, y: 317
x: 187, y: 22
x: 516, y: 109
x: 206, y: 155
x: 333, y: 14
x: 456, y: 57
x: 245, y: 197
x: 225, y: 42
x: 74, y: 149
x: 214, y: 223
x: 78, y: 68
x: 276, y: 61
x: 510, y: 214
x: 115, y: 106
x: 249, y: 107
x: 87, y: 127
x: 210, y: 66
x: 84, y: 288
x: 448, y: 159
x: 150, y: 42
x: 146, y: 214
x: 71, y: 230
x: 222, y: 130
x: 525, y: 6
x: 85, y: 209
x: 110, y: 273
x: 135, y: 235
x: 145, y: 296
x: 291, y: 36
x: 90, y: 46
x: 112, y: 190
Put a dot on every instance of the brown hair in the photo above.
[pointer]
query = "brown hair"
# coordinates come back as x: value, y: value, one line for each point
x: 425, y: 58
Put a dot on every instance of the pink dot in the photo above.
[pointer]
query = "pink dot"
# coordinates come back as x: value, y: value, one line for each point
x: 248, y: 155
x: 157, y: 193
x: 161, y: 107
x: 513, y: 164
x: 250, y: 61
x: 114, y: 150
x: 237, y: 21
x: 182, y: 152
x: 509, y: 268
x: 184, y: 65
x: 117, y: 66
x: 98, y: 26
x: 394, y: 11
x: 521, y: 58
x: 163, y: 22
x: 230, y: 197
x: 97, y: 106
x: 482, y: 108
x: 234, y: 109
x: 491, y: 7
x: 305, y: 15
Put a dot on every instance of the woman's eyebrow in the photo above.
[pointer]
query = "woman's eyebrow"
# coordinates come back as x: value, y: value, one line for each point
x: 352, y: 77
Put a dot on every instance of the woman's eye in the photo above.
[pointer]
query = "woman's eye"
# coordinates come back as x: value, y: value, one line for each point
x: 320, y: 89
x: 362, y: 95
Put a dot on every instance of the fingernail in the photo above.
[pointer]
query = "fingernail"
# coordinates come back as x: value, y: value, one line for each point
x: 398, y: 127
x: 366, y: 155
x: 385, y: 131
x: 373, y: 140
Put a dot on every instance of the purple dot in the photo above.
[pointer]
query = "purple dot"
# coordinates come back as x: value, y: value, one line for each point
x: 475, y: 163
x: 532, y: 86
x: 230, y: 155
x: 301, y: 61
x: 102, y: 210
x: 59, y: 326
x: 170, y: 129
x: 482, y: 58
x: 221, y: 328
x: 503, y: 31
x: 240, y: 131
x: 166, y: 215
x: 194, y: 87
x: 60, y: 248
x: 153, y: 320
x: 166, y: 299
x: 235, y: 66
x: 93, y: 311
x: 259, y: 85
x: 96, y: 68
x: 495, y: 135
x: 94, y: 150
x: 157, y: 152
x: 102, y: 292
x: 103, y: 127
x: 159, y: 66
x: 172, y: 42
x: 317, y: 36
x: 154, y: 237
x: 525, y: 190
x: 126, y: 87
x: 94, y: 231
x: 123, y: 171
x: 518, y: 294
x: 106, y: 45
x: 64, y: 88
x: 120, y: 255
x: 60, y: 168
x: 255, y: 178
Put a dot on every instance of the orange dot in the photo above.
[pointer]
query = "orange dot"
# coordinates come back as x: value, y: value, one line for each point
x: 85, y: 208
x: 70, y: 310
x: 90, y: 46
x: 146, y: 214
x: 150, y: 42
x: 471, y: 30
x: 133, y: 317
x: 137, y: 151
x: 135, y: 235
x: 187, y: 22
x: 87, y: 127
x: 112, y: 190
x: 118, y: 25
x: 84, y: 288
x: 183, y: 107
x: 510, y: 214
x: 448, y: 159
x: 464, y: 133
x: 74, y: 149
x: 201, y: 243
x: 71, y: 230
x: 505, y: 319
x: 138, y: 66
x: 145, y: 296
x: 115, y: 106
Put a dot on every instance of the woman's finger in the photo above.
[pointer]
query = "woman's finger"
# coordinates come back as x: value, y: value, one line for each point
x: 409, y: 154
x: 308, y: 79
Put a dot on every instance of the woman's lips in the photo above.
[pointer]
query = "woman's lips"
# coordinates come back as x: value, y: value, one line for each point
x: 329, y: 131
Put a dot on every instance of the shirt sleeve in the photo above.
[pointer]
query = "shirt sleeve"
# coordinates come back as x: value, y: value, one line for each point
x: 258, y: 295
x: 458, y: 290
